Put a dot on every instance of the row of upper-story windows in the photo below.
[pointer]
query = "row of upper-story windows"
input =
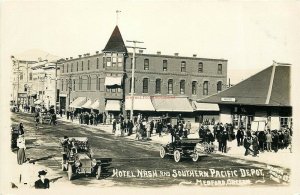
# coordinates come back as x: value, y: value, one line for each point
x: 183, y: 65
x: 170, y: 86
x: 78, y: 66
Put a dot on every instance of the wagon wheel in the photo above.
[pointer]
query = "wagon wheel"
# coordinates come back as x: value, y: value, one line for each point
x: 195, y: 156
x: 162, y: 152
x: 70, y: 172
x: 177, y: 156
x: 98, y: 172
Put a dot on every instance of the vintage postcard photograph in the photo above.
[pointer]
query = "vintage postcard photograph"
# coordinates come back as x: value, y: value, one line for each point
x: 150, y: 96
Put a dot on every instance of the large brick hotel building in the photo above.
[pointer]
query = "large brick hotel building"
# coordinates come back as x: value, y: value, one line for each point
x: 163, y: 83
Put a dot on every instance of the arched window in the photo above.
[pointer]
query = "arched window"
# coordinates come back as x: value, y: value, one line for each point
x: 21, y: 76
x: 88, y: 65
x: 158, y: 86
x: 182, y: 87
x: 74, y: 84
x: 205, y: 88
x: 77, y: 66
x: 219, y: 68
x: 72, y: 67
x: 145, y: 85
x: 30, y: 76
x: 194, y: 87
x: 67, y: 67
x: 170, y: 86
x: 219, y: 86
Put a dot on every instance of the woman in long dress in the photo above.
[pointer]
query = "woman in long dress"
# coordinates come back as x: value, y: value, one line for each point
x: 21, y: 151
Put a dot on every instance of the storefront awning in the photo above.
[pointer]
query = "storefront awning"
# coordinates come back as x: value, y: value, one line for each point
x: 96, y: 105
x: 113, y: 105
x: 78, y: 102
x: 171, y: 104
x: 38, y: 102
x: 87, y: 104
x: 205, y: 106
x: 110, y: 81
x: 142, y: 103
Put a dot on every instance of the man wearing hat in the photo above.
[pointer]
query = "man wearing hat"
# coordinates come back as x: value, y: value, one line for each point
x: 43, y: 182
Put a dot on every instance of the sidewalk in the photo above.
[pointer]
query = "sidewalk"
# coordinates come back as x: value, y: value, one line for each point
x: 282, y: 158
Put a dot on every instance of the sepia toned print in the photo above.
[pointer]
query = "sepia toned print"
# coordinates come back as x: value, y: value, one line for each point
x: 127, y: 116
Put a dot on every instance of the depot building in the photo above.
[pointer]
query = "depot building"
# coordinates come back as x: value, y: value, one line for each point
x: 263, y: 98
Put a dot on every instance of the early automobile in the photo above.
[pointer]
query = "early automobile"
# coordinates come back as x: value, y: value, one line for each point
x: 186, y: 148
x: 77, y: 159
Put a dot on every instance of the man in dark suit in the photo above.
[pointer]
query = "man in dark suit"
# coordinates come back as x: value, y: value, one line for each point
x: 43, y: 182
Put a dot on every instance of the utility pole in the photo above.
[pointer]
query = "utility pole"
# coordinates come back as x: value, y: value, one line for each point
x: 132, y: 73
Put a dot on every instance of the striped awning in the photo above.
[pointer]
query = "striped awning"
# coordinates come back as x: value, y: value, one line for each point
x: 171, y: 104
x: 141, y: 103
x: 78, y: 102
x: 87, y: 104
x: 96, y: 105
x: 113, y: 105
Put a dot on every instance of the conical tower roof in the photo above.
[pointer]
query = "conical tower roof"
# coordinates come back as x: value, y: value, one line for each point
x: 115, y: 42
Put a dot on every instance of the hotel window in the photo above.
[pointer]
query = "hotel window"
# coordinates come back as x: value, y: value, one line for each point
x: 67, y: 85
x: 88, y: 65
x: 145, y: 85
x: 194, y: 87
x: 158, y: 86
x: 97, y: 63
x: 183, y: 66
x: 284, y: 121
x: 108, y: 61
x: 97, y: 83
x: 62, y: 84
x: 219, y: 68
x: 146, y: 64
x: 219, y: 86
x: 81, y: 65
x: 170, y: 86
x: 21, y: 76
x: 80, y: 83
x: 74, y: 85
x: 120, y: 61
x: 30, y: 76
x: 63, y: 68
x: 130, y: 85
x: 76, y: 66
x: 67, y: 67
x: 200, y: 67
x: 182, y: 87
x: 205, y: 88
x: 114, y: 61
x: 165, y: 65
x: 89, y: 83
x: 72, y: 67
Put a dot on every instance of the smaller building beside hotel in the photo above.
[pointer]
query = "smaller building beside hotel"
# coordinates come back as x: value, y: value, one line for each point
x: 263, y: 97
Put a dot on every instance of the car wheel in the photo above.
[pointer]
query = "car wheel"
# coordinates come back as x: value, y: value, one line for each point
x: 177, y: 156
x: 162, y: 152
x: 70, y: 172
x: 98, y: 172
x: 195, y: 157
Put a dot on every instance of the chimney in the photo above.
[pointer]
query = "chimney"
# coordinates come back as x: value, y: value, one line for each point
x: 97, y: 52
x: 176, y: 54
x: 87, y: 54
x: 67, y: 58
x: 71, y: 58
x: 158, y: 52
x: 84, y: 55
x: 140, y: 51
x: 194, y: 55
x: 79, y: 56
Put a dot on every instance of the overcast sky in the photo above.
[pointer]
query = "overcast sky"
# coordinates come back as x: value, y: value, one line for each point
x: 249, y: 34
